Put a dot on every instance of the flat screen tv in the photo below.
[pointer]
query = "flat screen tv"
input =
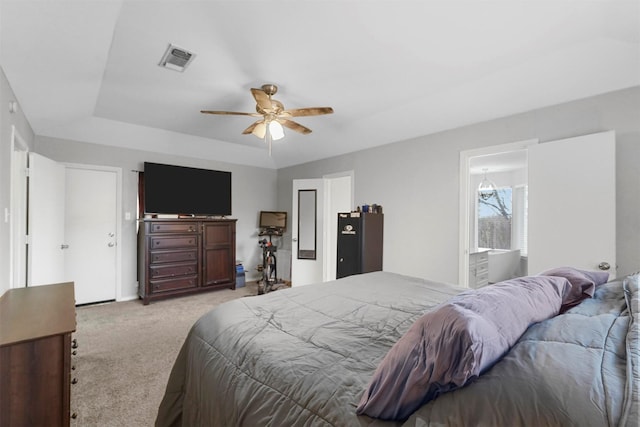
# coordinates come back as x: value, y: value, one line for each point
x: 269, y: 219
x: 170, y: 189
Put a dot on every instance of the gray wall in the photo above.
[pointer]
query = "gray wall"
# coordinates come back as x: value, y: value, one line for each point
x: 7, y: 120
x: 253, y: 189
x: 417, y: 181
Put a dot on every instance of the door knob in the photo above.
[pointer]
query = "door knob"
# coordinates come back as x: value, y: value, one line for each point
x: 64, y: 246
x: 604, y: 266
x: 295, y: 239
x: 111, y: 244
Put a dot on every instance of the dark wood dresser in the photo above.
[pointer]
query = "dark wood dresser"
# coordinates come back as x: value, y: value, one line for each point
x: 360, y: 243
x: 184, y: 256
x: 35, y: 355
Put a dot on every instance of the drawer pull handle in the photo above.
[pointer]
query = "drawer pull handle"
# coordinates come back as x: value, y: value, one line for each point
x: 74, y: 343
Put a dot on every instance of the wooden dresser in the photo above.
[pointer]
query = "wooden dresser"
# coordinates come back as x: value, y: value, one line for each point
x: 35, y: 355
x: 184, y: 256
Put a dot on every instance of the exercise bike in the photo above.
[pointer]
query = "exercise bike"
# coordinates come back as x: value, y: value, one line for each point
x: 269, y: 267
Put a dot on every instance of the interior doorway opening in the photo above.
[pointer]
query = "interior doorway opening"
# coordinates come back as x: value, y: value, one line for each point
x: 493, y: 225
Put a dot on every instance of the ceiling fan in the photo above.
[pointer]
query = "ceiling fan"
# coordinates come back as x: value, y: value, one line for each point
x: 273, y: 116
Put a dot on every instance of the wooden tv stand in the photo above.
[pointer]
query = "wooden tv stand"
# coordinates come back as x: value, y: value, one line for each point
x: 184, y: 256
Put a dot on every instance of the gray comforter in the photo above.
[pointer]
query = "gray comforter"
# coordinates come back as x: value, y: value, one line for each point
x: 304, y: 356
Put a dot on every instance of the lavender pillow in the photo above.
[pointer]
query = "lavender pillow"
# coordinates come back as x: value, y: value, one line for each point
x: 583, y: 283
x: 456, y: 342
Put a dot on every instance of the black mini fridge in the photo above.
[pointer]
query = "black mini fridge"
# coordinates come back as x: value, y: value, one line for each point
x: 359, y: 243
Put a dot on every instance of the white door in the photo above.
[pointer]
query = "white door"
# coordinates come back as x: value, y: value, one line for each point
x: 307, y: 232
x: 572, y: 203
x: 90, y: 233
x: 45, y: 221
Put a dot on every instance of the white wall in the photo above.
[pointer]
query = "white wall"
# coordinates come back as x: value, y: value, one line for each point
x: 7, y: 120
x: 417, y: 181
x: 253, y: 189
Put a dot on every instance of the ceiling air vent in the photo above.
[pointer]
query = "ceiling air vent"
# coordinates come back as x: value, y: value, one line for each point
x: 176, y: 58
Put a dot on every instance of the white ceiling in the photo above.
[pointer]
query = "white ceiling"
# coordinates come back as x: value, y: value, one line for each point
x: 87, y: 70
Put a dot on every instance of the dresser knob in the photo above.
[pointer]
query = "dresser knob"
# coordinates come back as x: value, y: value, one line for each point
x: 73, y: 367
x: 74, y: 415
x: 74, y: 352
x: 74, y: 381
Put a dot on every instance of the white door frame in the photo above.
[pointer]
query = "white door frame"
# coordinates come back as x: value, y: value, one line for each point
x: 18, y: 212
x: 118, y: 172
x: 465, y: 210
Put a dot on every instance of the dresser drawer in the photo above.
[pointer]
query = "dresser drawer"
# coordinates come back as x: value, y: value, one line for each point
x: 482, y: 267
x: 167, y: 242
x: 172, y: 270
x: 174, y: 284
x: 481, y: 256
x: 173, y: 227
x: 482, y: 279
x: 159, y: 257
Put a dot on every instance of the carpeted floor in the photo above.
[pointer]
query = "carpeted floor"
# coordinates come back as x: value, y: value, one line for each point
x: 126, y: 351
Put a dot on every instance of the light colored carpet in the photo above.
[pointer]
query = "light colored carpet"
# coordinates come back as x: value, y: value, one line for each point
x: 125, y: 354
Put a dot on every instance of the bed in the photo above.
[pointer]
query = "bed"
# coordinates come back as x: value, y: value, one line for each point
x: 307, y: 357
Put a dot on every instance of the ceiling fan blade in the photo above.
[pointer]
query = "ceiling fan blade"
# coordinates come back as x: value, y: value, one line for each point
x: 310, y: 111
x: 235, y: 113
x: 294, y: 126
x: 262, y: 99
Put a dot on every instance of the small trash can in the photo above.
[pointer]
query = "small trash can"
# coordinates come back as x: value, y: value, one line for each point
x: 240, y: 282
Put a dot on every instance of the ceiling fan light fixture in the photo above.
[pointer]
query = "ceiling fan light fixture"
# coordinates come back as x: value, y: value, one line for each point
x: 276, y: 130
x: 273, y: 116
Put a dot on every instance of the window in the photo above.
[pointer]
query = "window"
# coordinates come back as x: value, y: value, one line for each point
x: 495, y: 220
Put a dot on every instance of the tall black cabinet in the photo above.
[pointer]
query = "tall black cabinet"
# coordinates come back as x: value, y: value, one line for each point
x: 359, y: 243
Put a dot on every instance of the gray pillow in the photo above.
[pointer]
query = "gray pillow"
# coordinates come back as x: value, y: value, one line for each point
x: 456, y: 342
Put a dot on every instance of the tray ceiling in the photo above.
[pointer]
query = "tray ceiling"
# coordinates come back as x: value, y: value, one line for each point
x: 391, y: 70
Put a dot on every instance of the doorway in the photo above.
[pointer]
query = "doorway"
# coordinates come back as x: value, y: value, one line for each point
x: 498, y: 217
x: 90, y: 231
x: 506, y: 165
x: 315, y: 207
x: 73, y: 227
x: 571, y: 203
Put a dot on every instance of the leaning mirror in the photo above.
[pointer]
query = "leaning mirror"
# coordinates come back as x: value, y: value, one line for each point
x: 306, y: 224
